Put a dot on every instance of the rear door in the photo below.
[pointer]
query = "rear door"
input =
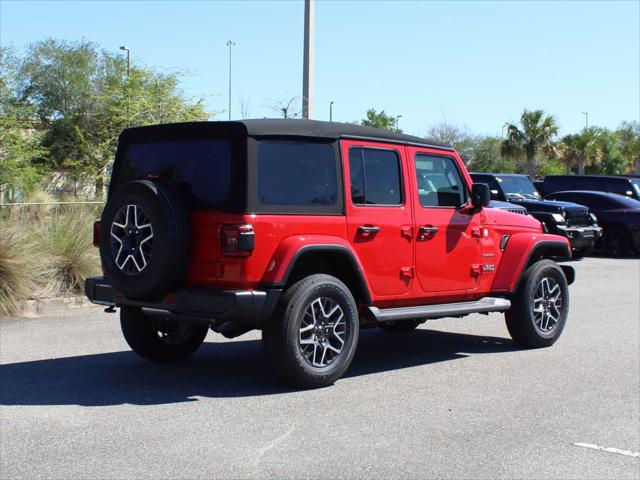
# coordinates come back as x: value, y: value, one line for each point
x: 448, y: 229
x: 379, y: 216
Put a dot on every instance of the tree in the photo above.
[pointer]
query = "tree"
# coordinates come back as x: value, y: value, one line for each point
x: 84, y: 97
x: 380, y: 120
x: 486, y: 157
x: 594, y: 150
x: 526, y: 142
x: 287, y: 108
x: 457, y: 137
x: 629, y: 145
x: 20, y: 133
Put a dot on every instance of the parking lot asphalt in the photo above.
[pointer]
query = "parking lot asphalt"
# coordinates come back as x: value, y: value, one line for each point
x: 454, y: 399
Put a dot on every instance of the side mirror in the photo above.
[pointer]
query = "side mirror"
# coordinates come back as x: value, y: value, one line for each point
x: 480, y: 195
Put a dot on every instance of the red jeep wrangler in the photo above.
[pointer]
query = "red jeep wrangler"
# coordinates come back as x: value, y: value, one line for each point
x: 310, y: 231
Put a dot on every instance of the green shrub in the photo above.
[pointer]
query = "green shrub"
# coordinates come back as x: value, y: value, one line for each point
x: 16, y: 273
x: 63, y: 245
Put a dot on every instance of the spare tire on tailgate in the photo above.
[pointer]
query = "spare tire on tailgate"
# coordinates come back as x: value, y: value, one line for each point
x: 145, y: 239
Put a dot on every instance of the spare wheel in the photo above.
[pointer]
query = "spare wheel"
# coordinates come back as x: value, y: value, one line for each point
x: 145, y: 239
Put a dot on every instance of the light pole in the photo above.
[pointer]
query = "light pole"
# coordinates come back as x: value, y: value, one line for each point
x: 586, y: 120
x: 126, y: 49
x: 331, y: 111
x: 230, y: 44
x: 398, y: 117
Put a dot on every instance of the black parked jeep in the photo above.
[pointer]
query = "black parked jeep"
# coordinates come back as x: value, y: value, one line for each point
x: 561, y: 218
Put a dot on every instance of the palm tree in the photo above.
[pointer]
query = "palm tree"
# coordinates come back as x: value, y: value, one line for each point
x: 582, y: 149
x: 524, y: 142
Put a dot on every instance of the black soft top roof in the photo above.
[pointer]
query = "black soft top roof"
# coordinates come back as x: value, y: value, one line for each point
x: 292, y: 128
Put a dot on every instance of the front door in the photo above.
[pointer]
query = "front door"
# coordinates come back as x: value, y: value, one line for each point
x: 448, y: 253
x: 379, y: 217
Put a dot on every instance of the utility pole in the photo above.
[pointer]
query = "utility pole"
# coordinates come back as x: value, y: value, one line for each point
x: 307, y: 69
x: 230, y: 44
x: 331, y: 111
x: 586, y: 120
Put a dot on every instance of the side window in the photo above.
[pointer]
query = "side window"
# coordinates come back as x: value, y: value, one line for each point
x: 296, y: 173
x: 375, y: 176
x: 439, y: 182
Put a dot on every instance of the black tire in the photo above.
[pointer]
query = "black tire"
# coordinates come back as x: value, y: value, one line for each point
x: 158, y: 339
x: 281, y: 335
x: 582, y: 252
x: 163, y: 259
x: 401, y: 326
x: 616, y: 241
x: 526, y: 327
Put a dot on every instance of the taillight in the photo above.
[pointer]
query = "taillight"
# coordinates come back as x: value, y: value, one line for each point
x: 96, y: 233
x: 237, y: 240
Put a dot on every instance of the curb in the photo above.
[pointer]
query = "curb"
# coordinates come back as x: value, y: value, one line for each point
x: 45, y: 307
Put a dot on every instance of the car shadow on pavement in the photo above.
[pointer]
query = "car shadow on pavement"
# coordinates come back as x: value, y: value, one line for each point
x: 227, y: 369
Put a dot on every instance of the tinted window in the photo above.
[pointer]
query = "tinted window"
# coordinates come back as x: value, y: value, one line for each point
x: 375, y: 177
x: 518, y: 186
x: 439, y: 182
x: 199, y: 169
x: 494, y: 188
x: 296, y: 173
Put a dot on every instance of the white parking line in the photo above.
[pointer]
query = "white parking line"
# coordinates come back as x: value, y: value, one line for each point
x: 626, y: 453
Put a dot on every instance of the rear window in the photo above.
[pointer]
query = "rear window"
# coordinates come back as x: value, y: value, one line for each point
x: 297, y: 173
x: 199, y: 169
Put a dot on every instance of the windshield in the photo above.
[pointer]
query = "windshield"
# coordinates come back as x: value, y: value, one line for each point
x: 518, y: 186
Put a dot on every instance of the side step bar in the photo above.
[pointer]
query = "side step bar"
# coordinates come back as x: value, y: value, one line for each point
x: 484, y: 305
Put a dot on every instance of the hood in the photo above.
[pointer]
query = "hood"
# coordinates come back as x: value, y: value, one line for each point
x: 551, y: 206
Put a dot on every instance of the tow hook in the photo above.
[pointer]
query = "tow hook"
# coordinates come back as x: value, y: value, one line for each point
x: 110, y: 309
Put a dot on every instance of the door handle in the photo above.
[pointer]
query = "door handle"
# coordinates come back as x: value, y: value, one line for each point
x: 368, y: 229
x: 424, y: 231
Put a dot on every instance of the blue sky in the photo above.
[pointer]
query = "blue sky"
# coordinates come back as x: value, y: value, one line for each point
x: 476, y: 64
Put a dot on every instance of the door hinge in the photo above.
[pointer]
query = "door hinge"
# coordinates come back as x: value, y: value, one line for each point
x: 407, y: 272
x: 476, y: 232
x: 476, y: 269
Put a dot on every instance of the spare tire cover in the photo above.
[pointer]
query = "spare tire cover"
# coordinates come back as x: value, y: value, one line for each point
x: 145, y: 239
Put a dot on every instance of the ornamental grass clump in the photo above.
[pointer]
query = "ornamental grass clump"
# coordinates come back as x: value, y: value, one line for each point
x: 63, y: 245
x: 16, y: 279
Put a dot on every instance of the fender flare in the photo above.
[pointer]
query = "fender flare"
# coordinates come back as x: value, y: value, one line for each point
x: 292, y: 249
x: 521, y: 248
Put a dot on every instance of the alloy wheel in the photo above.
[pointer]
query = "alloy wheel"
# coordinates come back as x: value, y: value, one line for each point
x: 131, y: 239
x: 547, y: 305
x: 322, y: 332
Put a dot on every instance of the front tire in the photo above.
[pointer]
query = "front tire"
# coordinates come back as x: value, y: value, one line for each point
x: 616, y: 241
x: 540, y: 306
x: 311, y: 339
x: 160, y: 339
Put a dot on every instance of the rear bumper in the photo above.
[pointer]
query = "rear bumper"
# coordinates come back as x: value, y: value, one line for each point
x: 249, y: 308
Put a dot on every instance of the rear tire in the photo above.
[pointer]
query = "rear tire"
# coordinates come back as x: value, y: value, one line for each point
x: 540, y: 306
x: 158, y: 339
x: 311, y: 339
